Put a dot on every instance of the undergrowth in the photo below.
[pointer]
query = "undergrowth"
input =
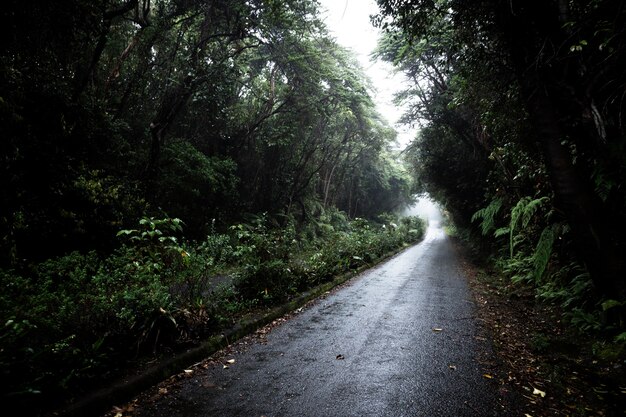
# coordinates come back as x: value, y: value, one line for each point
x: 536, y: 252
x: 79, y: 320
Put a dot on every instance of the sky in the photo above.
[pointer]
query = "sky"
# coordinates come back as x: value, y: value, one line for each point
x: 349, y: 22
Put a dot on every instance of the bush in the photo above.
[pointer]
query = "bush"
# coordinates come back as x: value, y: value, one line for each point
x: 73, y: 321
x: 71, y: 317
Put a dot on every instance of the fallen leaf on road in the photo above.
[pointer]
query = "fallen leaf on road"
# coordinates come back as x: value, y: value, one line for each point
x: 188, y: 371
x: 437, y: 329
x: 162, y: 391
x: 453, y: 367
x: 539, y: 392
x: 488, y: 376
x: 231, y: 361
x: 340, y: 357
x: 527, y: 415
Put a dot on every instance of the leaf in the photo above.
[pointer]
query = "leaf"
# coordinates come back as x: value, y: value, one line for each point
x: 488, y: 376
x: 609, y: 304
x: 125, y: 232
x: 340, y: 357
x: 231, y: 361
x: 188, y: 371
x: 501, y: 231
x: 437, y: 329
x: 539, y: 392
x: 453, y: 367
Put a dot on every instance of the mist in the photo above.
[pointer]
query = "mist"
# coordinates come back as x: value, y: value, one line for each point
x: 425, y: 208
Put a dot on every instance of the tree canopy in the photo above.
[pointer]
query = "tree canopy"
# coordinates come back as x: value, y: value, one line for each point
x: 203, y: 110
x: 153, y: 149
x: 523, y: 136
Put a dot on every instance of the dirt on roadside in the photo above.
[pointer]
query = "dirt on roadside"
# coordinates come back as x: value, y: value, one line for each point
x: 551, y: 366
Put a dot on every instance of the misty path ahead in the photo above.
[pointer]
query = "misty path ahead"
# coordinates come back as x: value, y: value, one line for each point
x: 399, y: 340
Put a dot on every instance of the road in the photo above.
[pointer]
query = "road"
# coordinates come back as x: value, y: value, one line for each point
x: 399, y: 340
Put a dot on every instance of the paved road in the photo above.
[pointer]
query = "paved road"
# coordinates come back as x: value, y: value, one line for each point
x: 400, y: 340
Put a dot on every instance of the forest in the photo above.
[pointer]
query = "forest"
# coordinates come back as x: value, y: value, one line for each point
x: 169, y: 166
x: 523, y: 137
x: 155, y: 152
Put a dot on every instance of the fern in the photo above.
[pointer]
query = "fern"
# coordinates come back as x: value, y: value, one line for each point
x: 531, y: 208
x: 543, y: 251
x: 518, y: 268
x: 525, y: 209
x: 488, y: 215
x: 568, y: 292
x: 516, y: 213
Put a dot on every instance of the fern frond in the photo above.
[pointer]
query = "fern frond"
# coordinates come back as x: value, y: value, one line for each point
x: 488, y: 215
x: 524, y: 210
x: 501, y: 231
x: 531, y: 208
x: 516, y: 213
x: 543, y: 251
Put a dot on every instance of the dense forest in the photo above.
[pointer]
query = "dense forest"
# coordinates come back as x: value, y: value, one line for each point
x: 201, y: 110
x: 169, y: 165
x: 155, y: 148
x: 522, y: 139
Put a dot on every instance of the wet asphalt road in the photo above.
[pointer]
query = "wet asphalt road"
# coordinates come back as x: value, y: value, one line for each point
x: 399, y: 340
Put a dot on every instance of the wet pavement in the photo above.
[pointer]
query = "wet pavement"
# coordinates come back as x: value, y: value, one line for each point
x: 399, y: 340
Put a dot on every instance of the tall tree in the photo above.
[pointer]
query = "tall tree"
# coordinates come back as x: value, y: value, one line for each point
x: 563, y: 59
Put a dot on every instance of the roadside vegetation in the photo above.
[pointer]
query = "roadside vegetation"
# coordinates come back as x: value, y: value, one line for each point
x: 168, y: 166
x: 523, y: 143
x: 81, y: 320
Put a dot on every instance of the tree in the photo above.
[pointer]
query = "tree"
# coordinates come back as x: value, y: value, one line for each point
x: 196, y: 109
x: 561, y: 59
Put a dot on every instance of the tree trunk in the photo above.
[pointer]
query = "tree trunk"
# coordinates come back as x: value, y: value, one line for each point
x: 527, y: 31
x: 581, y: 206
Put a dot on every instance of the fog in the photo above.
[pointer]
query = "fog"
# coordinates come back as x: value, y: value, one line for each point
x: 425, y: 208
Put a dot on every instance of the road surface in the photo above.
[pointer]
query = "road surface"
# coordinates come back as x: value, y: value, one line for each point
x: 399, y: 340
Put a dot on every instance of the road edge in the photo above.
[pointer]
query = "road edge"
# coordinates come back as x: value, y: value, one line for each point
x: 123, y: 391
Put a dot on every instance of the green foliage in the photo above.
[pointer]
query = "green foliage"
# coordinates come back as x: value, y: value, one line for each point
x: 156, y: 240
x: 195, y: 186
x: 74, y: 321
x: 269, y: 281
x: 543, y: 251
x: 273, y: 268
x: 500, y: 150
x: 517, y: 269
x: 487, y: 216
x: 522, y: 213
x: 217, y: 247
x: 179, y: 108
x: 67, y: 321
x: 570, y: 286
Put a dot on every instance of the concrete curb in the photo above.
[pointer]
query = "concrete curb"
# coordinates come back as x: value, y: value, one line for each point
x: 123, y: 391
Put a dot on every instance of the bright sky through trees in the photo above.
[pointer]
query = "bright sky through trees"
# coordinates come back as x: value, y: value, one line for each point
x: 349, y: 22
